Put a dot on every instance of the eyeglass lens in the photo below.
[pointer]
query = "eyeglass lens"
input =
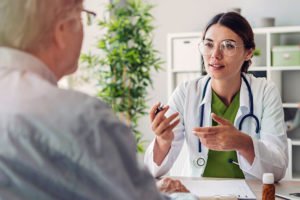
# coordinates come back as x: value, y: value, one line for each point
x: 227, y: 47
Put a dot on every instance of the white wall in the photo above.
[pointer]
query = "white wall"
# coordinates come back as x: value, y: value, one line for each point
x: 173, y: 16
x: 92, y: 33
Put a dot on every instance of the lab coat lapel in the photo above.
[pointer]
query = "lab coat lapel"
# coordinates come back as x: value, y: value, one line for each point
x: 206, y: 101
x: 244, y: 103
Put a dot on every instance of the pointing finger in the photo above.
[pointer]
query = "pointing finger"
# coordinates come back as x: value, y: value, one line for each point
x: 220, y: 120
x: 209, y: 129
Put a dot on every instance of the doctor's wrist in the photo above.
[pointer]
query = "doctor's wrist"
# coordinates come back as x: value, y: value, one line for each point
x: 163, y: 143
x: 160, y: 151
x: 246, y: 148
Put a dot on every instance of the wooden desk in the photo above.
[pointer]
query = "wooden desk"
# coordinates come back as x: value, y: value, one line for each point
x: 256, y: 186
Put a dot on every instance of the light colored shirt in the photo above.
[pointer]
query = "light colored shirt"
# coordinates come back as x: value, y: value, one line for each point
x: 62, y: 144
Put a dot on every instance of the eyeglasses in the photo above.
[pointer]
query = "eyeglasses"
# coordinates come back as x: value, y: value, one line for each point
x: 227, y: 47
x: 89, y: 16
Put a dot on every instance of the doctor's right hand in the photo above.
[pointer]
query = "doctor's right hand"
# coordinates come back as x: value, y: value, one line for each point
x: 163, y: 127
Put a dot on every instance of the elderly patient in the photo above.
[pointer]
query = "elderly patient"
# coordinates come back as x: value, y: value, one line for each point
x: 55, y: 143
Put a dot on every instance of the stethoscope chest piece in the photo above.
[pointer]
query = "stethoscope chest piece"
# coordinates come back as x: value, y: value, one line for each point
x: 199, y: 162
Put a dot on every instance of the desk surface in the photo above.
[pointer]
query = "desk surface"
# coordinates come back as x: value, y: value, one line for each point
x: 256, y: 185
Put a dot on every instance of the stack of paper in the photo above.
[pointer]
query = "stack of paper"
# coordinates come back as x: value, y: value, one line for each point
x: 206, y: 188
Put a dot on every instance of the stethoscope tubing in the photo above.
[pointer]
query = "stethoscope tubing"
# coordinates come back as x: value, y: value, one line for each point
x: 250, y: 114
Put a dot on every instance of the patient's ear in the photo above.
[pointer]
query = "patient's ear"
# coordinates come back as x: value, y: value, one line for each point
x: 60, y: 34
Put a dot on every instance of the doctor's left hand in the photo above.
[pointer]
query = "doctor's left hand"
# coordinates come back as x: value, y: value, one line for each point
x: 224, y: 137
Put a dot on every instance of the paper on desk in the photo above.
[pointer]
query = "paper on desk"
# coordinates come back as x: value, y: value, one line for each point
x: 238, y: 188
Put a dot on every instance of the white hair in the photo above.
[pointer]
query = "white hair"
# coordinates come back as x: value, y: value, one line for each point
x: 28, y: 24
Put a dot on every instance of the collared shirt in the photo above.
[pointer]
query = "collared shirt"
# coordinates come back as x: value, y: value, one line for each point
x: 62, y: 144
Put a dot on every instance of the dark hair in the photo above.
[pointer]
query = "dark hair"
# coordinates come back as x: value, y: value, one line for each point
x: 237, y: 24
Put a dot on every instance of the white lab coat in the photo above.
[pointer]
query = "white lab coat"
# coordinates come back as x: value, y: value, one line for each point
x: 270, y: 145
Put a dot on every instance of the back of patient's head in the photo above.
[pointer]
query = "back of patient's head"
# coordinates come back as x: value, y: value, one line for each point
x: 28, y: 24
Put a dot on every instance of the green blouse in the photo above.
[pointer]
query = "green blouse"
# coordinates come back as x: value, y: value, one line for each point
x: 217, y: 161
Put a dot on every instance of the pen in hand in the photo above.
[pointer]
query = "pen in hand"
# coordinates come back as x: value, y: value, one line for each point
x: 159, y: 108
x: 232, y: 161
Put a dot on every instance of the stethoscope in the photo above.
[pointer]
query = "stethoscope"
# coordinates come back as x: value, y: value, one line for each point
x: 199, y: 162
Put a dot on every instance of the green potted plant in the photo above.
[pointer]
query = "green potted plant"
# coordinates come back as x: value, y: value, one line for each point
x: 256, y: 52
x: 123, y: 70
x: 256, y: 59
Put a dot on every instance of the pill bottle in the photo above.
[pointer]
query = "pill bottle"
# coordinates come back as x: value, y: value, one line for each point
x: 268, y: 192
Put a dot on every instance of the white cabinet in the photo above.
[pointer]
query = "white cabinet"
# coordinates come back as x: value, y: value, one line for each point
x: 184, y: 63
x: 184, y: 59
x: 186, y: 53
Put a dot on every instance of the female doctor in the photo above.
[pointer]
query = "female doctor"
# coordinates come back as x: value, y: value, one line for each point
x: 232, y: 122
